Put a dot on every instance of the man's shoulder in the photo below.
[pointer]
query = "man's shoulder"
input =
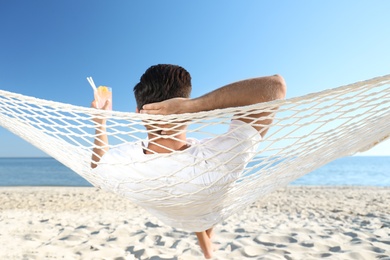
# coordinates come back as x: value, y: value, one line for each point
x: 236, y: 128
x: 126, y: 149
x: 245, y: 129
x: 127, y: 145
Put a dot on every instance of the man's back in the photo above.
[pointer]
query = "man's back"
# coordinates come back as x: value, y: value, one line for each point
x: 195, y: 178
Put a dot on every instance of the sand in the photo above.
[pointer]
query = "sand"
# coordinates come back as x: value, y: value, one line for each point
x: 292, y: 223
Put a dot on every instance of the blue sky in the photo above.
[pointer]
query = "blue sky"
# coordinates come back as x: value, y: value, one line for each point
x: 48, y: 48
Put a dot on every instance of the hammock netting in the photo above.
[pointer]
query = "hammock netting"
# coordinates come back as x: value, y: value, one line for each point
x: 306, y: 133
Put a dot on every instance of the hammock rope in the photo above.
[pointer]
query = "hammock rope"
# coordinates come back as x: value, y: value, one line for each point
x: 306, y: 133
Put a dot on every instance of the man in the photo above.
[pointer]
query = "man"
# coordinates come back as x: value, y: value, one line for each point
x: 165, y: 89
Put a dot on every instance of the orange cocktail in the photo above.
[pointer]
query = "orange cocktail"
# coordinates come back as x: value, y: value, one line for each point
x: 104, y: 93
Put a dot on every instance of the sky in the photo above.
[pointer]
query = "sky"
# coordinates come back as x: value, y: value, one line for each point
x: 48, y: 48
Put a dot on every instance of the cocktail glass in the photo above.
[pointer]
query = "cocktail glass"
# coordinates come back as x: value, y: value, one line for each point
x: 104, y: 93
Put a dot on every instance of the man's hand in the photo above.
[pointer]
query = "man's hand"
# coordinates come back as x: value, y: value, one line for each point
x: 167, y: 107
x: 106, y: 106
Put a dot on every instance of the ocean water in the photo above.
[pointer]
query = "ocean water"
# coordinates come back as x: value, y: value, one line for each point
x: 37, y: 172
x: 355, y: 171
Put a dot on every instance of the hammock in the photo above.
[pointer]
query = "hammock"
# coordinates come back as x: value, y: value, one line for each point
x: 307, y: 132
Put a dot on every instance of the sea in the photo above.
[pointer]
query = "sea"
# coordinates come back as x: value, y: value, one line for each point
x: 347, y: 171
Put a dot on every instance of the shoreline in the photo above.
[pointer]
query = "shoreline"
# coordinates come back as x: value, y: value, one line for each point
x: 296, y: 222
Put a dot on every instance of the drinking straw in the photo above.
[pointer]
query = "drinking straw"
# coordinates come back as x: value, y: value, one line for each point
x: 90, y: 80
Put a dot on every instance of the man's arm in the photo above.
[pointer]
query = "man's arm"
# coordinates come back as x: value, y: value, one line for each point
x: 101, y: 140
x: 241, y: 93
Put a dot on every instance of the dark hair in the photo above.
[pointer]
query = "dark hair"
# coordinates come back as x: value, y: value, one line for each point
x: 162, y: 82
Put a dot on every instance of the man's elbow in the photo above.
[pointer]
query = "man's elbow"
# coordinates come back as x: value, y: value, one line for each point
x: 280, y: 85
x: 94, y: 162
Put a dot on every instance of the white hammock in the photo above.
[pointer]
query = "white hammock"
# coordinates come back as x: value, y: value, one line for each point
x: 307, y: 132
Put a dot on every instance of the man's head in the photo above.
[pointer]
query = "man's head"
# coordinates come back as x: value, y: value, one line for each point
x: 162, y: 82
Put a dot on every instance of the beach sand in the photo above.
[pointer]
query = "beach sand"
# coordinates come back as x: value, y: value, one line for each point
x: 292, y: 223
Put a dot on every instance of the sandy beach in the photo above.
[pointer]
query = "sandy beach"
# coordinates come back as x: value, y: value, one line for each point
x: 292, y: 223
